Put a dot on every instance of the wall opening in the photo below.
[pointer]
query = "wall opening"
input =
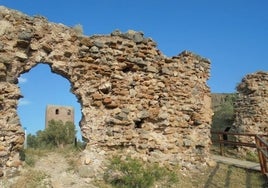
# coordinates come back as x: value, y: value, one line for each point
x: 57, y: 111
x: 39, y: 88
x: 225, y: 136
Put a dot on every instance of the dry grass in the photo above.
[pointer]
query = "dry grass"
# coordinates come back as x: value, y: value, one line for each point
x: 32, y: 179
x: 223, y: 176
x: 220, y: 176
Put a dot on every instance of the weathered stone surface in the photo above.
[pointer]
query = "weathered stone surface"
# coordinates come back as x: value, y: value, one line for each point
x: 132, y: 96
x: 4, y: 27
x: 21, y: 56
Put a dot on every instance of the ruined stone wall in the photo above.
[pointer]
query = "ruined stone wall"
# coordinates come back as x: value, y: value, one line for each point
x: 132, y: 96
x: 251, y: 107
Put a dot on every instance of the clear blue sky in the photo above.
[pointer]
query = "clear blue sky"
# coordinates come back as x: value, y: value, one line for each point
x: 233, y: 34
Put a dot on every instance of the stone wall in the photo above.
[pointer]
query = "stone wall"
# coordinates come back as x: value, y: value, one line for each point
x: 251, y: 107
x: 132, y: 96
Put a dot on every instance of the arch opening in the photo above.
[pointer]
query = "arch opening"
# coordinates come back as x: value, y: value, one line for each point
x: 40, y: 88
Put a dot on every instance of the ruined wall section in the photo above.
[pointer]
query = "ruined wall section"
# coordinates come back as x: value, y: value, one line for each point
x: 132, y: 96
x: 251, y: 107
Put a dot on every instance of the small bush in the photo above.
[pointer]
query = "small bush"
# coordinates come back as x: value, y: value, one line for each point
x: 32, y: 179
x: 78, y: 29
x: 133, y: 173
x: 30, y: 161
x: 30, y: 155
x: 252, y: 156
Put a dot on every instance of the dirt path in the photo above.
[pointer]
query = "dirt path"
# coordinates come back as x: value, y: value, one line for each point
x: 61, y: 174
x: 59, y: 168
x: 52, y: 170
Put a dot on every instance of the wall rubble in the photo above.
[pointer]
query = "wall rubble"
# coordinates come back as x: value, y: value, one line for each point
x: 132, y: 96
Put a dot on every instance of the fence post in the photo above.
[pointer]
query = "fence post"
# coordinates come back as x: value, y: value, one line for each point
x: 261, y: 156
x: 265, y: 165
x: 220, y: 139
x: 264, y: 158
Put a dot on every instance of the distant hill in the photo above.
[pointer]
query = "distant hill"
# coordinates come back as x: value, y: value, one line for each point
x: 218, y: 99
x: 223, y: 107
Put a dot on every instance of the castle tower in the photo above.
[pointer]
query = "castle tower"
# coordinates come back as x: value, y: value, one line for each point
x: 56, y: 112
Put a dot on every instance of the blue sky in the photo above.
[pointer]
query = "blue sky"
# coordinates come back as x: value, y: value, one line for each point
x: 233, y: 34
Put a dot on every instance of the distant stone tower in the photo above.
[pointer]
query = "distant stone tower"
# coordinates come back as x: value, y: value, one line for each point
x: 63, y: 113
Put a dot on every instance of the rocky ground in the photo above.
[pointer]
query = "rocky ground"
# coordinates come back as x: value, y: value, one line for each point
x: 60, y: 172
x: 57, y: 170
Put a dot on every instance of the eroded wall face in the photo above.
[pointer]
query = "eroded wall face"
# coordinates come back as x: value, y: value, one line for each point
x: 132, y: 96
x: 251, y: 107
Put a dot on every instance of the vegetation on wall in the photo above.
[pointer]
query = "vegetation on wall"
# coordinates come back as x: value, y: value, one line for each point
x: 78, y: 29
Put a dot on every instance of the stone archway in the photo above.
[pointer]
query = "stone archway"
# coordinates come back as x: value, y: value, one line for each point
x: 43, y: 90
x: 132, y: 96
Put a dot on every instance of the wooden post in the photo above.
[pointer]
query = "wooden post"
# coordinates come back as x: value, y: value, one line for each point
x: 75, y: 142
x: 262, y: 158
x: 220, y: 139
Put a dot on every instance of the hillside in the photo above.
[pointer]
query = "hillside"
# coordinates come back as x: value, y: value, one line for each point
x: 223, y: 108
x: 218, y: 99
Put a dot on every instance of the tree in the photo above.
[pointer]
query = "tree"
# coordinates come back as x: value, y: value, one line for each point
x: 57, y: 134
x: 32, y: 141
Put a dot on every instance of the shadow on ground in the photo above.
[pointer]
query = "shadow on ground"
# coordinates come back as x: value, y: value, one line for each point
x: 232, y: 177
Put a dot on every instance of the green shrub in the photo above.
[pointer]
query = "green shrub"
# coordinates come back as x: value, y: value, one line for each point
x: 28, y: 158
x: 224, y: 113
x: 130, y: 173
x: 32, y: 179
x: 30, y: 161
x: 252, y: 156
x: 57, y: 134
x: 78, y: 29
x: 30, y: 155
